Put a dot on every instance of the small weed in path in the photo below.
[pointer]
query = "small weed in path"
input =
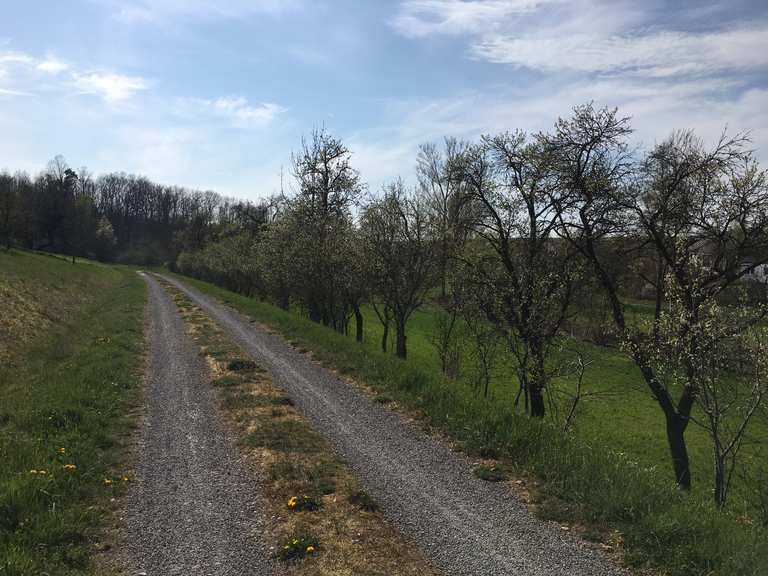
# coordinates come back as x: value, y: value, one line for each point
x: 363, y: 500
x: 490, y: 473
x: 241, y: 365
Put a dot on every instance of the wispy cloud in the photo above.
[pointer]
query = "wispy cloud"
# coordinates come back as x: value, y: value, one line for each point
x: 615, y: 53
x: 22, y: 74
x: 235, y: 110
x: 154, y: 11
x: 15, y: 58
x: 112, y: 88
x: 586, y: 36
x: 656, y: 109
x: 659, y: 54
x: 419, y: 18
x: 7, y: 92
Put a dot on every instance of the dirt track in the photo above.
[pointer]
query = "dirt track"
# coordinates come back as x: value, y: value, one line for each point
x: 194, y: 508
x: 464, y: 526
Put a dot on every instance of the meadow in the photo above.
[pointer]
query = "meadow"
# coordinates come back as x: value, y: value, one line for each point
x: 71, y: 347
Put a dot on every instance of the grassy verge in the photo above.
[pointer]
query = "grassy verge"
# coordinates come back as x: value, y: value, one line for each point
x: 324, y: 523
x: 592, y: 485
x: 72, y: 344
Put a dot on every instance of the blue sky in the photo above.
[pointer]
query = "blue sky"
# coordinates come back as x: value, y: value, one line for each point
x: 216, y: 95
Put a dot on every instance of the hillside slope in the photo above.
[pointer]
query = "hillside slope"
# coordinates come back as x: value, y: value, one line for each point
x: 71, y: 343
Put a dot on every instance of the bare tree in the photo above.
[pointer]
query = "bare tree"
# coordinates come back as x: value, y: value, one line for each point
x: 702, y: 353
x: 441, y: 185
x: 486, y: 342
x: 445, y: 337
x: 528, y: 275
x: 400, y: 253
x: 689, y: 203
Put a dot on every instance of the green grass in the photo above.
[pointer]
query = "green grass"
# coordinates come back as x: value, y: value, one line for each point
x: 612, y: 473
x: 284, y: 436
x: 73, y: 385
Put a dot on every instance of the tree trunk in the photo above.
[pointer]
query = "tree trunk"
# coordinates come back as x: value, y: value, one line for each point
x: 315, y: 314
x: 538, y: 381
x: 719, y: 479
x: 537, y: 401
x: 400, y: 349
x: 358, y: 323
x: 678, y: 450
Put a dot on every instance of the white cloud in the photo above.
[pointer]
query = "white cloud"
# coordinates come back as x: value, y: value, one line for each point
x: 158, y: 10
x: 52, y: 65
x: 418, y: 18
x: 15, y: 58
x: 659, y: 54
x: 24, y: 74
x: 586, y: 36
x: 613, y: 53
x: 236, y: 110
x: 655, y: 107
x: 112, y: 88
x: 7, y: 92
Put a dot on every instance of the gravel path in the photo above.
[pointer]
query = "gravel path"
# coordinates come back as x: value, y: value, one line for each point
x: 464, y: 526
x: 194, y: 508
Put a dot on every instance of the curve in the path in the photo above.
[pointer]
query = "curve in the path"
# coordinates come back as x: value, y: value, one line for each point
x: 194, y: 508
x: 465, y: 526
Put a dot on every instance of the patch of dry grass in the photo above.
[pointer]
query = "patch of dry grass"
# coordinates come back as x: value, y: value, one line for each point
x: 352, y: 536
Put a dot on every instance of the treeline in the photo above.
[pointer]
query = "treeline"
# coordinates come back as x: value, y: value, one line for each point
x: 115, y: 217
x: 512, y: 235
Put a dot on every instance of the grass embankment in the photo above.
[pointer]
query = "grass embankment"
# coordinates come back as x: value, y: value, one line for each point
x: 587, y: 479
x: 618, y: 413
x: 71, y: 341
x: 324, y: 523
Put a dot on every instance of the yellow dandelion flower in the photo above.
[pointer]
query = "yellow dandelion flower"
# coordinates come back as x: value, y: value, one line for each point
x: 310, y: 549
x: 62, y: 450
x: 107, y: 482
x: 69, y: 466
x: 125, y: 478
x: 292, y: 501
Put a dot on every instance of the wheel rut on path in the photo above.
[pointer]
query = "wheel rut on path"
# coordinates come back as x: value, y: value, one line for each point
x: 194, y: 508
x: 464, y: 526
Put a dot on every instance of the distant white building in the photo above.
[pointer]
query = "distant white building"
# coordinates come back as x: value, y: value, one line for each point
x: 758, y: 274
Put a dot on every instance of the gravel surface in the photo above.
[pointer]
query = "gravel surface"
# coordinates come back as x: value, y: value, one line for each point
x: 464, y: 526
x: 194, y: 508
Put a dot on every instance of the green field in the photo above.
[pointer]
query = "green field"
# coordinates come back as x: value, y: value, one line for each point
x: 613, y: 473
x: 71, y: 343
x: 621, y: 415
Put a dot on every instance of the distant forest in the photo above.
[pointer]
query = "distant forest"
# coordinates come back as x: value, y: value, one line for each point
x: 115, y: 217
